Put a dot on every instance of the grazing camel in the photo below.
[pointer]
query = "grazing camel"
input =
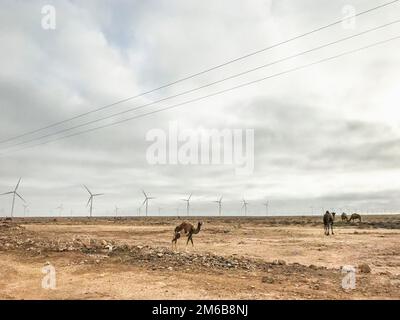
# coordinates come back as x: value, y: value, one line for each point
x: 354, y: 216
x: 345, y: 217
x: 328, y: 222
x: 188, y: 229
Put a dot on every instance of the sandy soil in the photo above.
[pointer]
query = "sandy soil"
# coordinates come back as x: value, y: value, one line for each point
x: 233, y: 258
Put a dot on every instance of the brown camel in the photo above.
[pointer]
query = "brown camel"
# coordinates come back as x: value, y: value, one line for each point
x: 328, y: 221
x: 354, y: 216
x: 188, y: 229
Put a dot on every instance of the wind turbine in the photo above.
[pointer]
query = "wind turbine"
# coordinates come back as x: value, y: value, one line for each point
x: 14, y: 193
x: 219, y: 205
x: 266, y: 204
x: 60, y: 208
x: 146, y: 200
x: 92, y: 195
x: 116, y: 211
x: 187, y: 204
x: 245, y: 207
x: 25, y: 209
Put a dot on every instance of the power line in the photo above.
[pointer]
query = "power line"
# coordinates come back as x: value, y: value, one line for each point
x: 216, y: 93
x: 201, y: 87
x: 201, y: 72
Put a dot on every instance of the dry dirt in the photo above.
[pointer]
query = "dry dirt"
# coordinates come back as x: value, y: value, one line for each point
x: 233, y: 258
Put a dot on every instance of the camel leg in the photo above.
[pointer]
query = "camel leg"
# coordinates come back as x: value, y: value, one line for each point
x: 332, y: 228
x: 191, y: 240
x: 187, y: 241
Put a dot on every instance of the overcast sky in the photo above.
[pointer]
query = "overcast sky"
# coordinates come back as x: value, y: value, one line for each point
x: 325, y: 136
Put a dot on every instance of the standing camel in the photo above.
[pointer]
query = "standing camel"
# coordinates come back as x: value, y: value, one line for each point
x: 354, y: 216
x: 328, y: 221
x: 345, y: 217
x: 188, y: 229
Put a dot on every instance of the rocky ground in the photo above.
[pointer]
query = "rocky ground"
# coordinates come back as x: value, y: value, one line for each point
x: 233, y: 258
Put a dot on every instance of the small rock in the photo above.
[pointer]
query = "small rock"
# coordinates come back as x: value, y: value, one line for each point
x: 279, y: 262
x: 267, y: 280
x: 364, y: 268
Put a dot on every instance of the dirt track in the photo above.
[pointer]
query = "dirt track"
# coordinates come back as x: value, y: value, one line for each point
x: 269, y: 258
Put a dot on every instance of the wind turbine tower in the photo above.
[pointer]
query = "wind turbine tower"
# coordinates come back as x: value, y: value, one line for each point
x: 92, y: 196
x: 187, y: 204
x: 60, y: 209
x: 219, y: 205
x: 245, y: 207
x: 14, y: 193
x: 146, y: 200
x: 266, y: 204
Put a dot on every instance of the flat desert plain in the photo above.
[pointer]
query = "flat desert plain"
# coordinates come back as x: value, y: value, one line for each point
x: 232, y: 258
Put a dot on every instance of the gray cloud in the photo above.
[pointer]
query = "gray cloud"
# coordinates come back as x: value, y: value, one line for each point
x: 324, y: 137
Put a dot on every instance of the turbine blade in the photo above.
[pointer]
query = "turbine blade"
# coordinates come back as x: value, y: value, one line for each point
x: 98, y: 194
x: 6, y: 193
x: 89, y: 201
x: 16, y: 187
x: 87, y: 189
x: 144, y: 201
x: 190, y: 196
x: 20, y: 197
x: 144, y: 193
x: 220, y: 199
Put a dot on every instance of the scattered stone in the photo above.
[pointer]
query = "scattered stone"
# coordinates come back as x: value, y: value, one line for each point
x: 364, y: 268
x: 279, y: 262
x: 267, y: 280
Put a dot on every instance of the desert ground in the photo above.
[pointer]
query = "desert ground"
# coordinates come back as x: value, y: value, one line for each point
x: 233, y: 258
